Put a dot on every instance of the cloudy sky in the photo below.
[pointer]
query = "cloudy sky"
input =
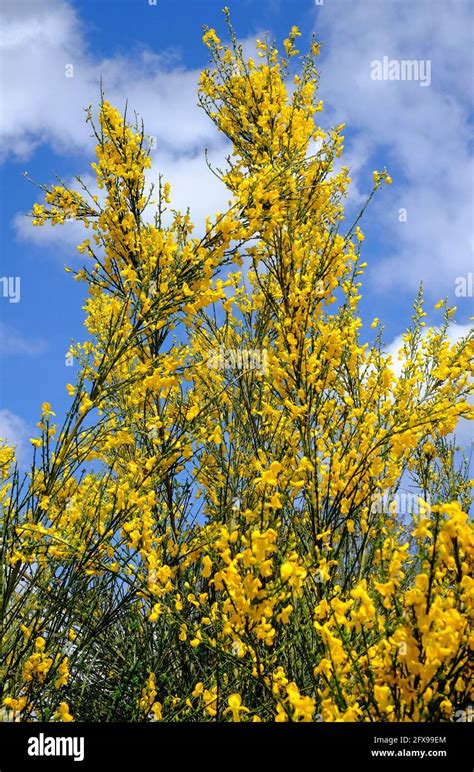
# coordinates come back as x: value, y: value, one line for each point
x: 53, y: 55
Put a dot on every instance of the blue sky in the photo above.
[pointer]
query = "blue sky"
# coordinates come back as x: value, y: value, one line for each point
x: 151, y: 54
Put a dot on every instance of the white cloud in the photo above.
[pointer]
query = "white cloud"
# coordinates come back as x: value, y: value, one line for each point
x: 14, y: 430
x: 39, y: 41
x: 420, y: 132
x: 194, y: 185
x: 13, y: 343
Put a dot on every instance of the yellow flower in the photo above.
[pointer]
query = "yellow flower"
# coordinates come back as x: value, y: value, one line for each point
x: 446, y: 707
x: 192, y: 413
x: 210, y: 38
x: 210, y: 700
x: 216, y: 435
x: 198, y: 689
x: 63, y: 713
x: 206, y: 566
x: 17, y: 705
x: 270, y: 475
x: 383, y: 698
x: 235, y: 707
x: 156, y: 613
x: 275, y: 501
x: 62, y: 674
x: 284, y: 615
x: 286, y: 570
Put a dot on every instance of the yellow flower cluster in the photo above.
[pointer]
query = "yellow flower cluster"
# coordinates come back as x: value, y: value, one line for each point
x: 147, y: 703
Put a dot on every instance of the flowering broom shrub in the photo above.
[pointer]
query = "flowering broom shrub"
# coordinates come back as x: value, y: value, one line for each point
x: 213, y: 532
